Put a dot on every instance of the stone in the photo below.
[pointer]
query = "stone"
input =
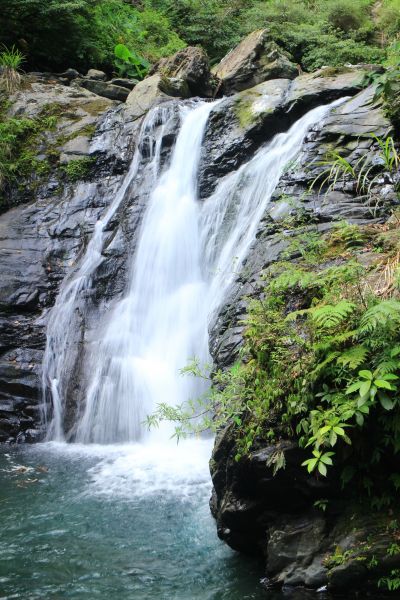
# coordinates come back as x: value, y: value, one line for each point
x: 105, y: 89
x: 254, y: 60
x: 129, y: 84
x: 347, y: 575
x: 293, y: 550
x: 144, y: 95
x: 96, y: 75
x: 74, y: 149
x: 254, y: 510
x: 186, y: 73
x: 328, y: 84
x: 239, y: 124
x: 70, y: 74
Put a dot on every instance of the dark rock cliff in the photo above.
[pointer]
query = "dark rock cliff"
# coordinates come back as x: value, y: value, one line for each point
x: 256, y: 510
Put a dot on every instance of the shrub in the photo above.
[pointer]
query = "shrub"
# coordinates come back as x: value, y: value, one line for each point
x: 89, y: 30
x: 389, y: 18
x: 130, y: 64
x: 346, y: 15
x: 10, y: 63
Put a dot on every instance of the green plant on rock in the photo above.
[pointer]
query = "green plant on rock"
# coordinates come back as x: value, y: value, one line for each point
x: 129, y: 64
x: 391, y: 583
x: 19, y: 139
x: 11, y: 60
x: 79, y: 168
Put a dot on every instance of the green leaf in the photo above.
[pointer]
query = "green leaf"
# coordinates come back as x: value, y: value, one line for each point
x: 322, y: 469
x: 122, y: 52
x: 362, y: 400
x: 339, y: 430
x: 364, y: 388
x: 381, y: 383
x: 324, y: 430
x: 354, y: 387
x: 389, y: 377
x: 326, y: 460
x: 359, y: 419
x: 366, y: 375
x: 386, y: 402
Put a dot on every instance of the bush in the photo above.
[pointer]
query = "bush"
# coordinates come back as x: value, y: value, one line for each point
x: 319, y: 33
x: 389, y: 18
x: 89, y: 30
x: 215, y: 25
x: 10, y: 63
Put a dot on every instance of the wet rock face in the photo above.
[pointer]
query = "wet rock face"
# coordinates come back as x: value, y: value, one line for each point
x: 255, y: 511
x: 41, y: 240
x: 240, y: 124
x: 254, y: 60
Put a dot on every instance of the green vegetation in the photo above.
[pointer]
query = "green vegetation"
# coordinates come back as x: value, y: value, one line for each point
x: 19, y: 139
x: 130, y: 64
x: 22, y: 166
x: 89, y: 30
x: 78, y: 168
x: 11, y: 60
x: 388, y: 85
x: 327, y: 373
x: 313, y: 32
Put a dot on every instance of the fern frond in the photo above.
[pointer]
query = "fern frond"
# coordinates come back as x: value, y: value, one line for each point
x: 329, y: 359
x: 389, y: 365
x: 354, y: 357
x: 382, y: 314
x: 335, y: 340
x: 328, y: 316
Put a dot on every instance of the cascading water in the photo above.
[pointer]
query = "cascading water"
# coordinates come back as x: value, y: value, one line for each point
x: 186, y: 259
x: 132, y: 520
x: 162, y: 321
x: 60, y: 352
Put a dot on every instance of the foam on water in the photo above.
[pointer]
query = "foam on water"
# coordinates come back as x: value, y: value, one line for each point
x: 140, y: 469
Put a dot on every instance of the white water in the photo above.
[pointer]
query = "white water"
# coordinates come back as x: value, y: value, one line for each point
x: 188, y: 254
x: 63, y: 319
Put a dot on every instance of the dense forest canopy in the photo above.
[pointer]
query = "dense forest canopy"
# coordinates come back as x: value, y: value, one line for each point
x: 57, y: 34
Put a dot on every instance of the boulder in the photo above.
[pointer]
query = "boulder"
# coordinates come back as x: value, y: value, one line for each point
x: 105, y: 89
x: 239, y: 124
x: 70, y: 74
x: 254, y: 60
x: 330, y: 83
x: 96, y: 75
x: 186, y: 73
x: 122, y: 82
x: 44, y: 226
x: 144, y: 95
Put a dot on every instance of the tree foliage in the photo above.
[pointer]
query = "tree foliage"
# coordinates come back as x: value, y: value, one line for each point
x: 80, y: 33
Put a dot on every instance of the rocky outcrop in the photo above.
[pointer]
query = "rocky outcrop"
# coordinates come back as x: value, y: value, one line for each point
x: 145, y: 95
x: 277, y: 515
x: 186, y: 73
x: 348, y: 129
x: 42, y: 237
x: 104, y: 89
x: 241, y: 123
x: 254, y: 60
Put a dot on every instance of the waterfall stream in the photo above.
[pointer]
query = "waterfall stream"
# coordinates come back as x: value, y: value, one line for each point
x: 122, y: 513
x: 187, y: 256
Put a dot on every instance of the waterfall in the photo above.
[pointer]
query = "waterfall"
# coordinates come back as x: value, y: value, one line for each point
x: 187, y: 256
x: 60, y: 352
x: 162, y: 321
